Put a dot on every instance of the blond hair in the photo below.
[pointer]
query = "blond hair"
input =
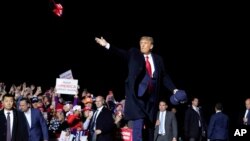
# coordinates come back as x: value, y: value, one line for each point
x: 148, y: 38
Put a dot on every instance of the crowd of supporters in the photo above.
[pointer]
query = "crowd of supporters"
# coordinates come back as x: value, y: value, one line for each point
x: 74, y: 114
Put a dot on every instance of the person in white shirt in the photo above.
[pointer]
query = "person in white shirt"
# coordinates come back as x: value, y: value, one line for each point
x: 246, y: 118
x: 11, y: 125
x: 102, y: 123
x: 37, y: 125
x: 194, y: 125
x: 166, y: 124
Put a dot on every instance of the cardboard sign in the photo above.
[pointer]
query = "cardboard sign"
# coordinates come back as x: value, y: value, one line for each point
x: 66, y: 86
x: 67, y: 75
x: 65, y: 137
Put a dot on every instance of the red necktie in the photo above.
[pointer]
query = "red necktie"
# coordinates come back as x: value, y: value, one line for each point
x: 149, y: 71
x: 148, y: 67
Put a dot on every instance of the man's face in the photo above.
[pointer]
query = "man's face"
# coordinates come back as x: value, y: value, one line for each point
x: 248, y: 104
x: 162, y: 106
x: 8, y: 103
x: 195, y: 102
x: 24, y: 106
x: 145, y: 46
x: 99, y: 102
x: 35, y: 105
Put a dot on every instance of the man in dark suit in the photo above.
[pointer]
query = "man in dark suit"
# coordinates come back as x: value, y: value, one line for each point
x: 11, y: 121
x: 244, y: 121
x: 218, y: 125
x: 246, y: 116
x: 194, y: 125
x: 36, y: 124
x: 145, y: 73
x: 101, y: 123
x: 166, y: 124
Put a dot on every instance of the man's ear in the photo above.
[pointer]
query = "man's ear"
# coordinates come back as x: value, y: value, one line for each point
x: 152, y: 46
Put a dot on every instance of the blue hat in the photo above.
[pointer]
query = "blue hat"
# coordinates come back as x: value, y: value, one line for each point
x: 34, y: 99
x: 179, y: 97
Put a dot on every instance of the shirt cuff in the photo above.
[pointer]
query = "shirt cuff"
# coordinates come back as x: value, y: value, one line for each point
x: 107, y: 46
x: 175, y: 90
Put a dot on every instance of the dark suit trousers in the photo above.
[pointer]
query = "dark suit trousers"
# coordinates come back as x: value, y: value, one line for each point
x: 197, y: 139
x: 137, y: 127
x: 139, y: 134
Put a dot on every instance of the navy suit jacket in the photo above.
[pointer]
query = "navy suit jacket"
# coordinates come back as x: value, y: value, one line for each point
x: 19, y: 129
x: 38, y: 130
x: 137, y: 105
x: 218, y: 126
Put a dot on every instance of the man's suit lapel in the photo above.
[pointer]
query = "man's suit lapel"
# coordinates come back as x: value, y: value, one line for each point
x: 158, y: 117
x: 2, y: 114
x: 100, y: 114
x: 156, y: 65
x: 14, y: 123
x: 166, y: 120
x: 32, y: 117
x: 141, y: 61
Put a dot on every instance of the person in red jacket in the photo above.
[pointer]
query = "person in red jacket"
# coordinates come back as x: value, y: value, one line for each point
x: 74, y: 120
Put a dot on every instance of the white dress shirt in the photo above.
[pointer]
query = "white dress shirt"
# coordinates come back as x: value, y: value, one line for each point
x: 246, y: 113
x: 107, y: 46
x: 99, y: 110
x: 150, y: 59
x: 162, y: 116
x: 97, y: 114
x: 197, y: 110
x: 28, y: 116
x: 218, y: 111
x: 11, y: 119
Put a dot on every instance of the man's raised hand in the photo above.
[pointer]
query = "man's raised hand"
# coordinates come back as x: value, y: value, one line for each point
x: 101, y: 41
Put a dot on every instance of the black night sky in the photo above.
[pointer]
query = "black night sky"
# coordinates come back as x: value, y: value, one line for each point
x: 204, y: 49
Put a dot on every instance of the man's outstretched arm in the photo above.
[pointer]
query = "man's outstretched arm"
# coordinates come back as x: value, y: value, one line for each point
x: 167, y: 81
x: 120, y: 52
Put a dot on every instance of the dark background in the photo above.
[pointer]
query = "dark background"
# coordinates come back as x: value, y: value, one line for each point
x: 204, y: 48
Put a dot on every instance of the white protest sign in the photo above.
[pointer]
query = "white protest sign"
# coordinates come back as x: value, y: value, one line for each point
x: 83, y: 138
x: 65, y: 137
x: 66, y: 86
x: 67, y: 75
